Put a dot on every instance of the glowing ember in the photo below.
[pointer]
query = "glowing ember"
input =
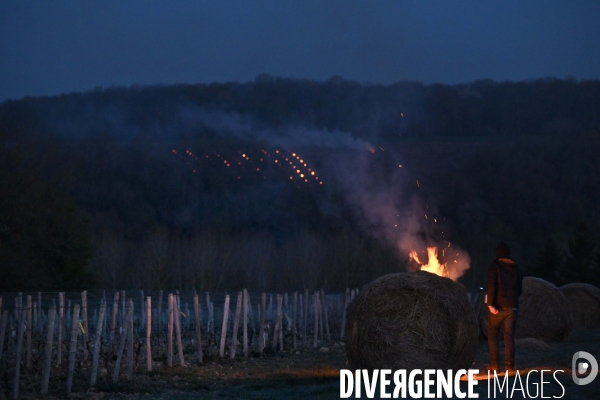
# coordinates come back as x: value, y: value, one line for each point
x: 433, y: 264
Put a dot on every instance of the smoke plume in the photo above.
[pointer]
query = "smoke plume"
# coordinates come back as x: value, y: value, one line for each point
x: 382, y: 200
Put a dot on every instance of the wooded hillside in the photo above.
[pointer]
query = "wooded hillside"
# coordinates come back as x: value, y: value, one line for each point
x: 177, y: 186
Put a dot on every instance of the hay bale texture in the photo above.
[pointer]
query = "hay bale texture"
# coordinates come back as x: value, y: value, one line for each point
x: 532, y: 344
x: 411, y: 321
x: 584, y: 300
x: 544, y: 312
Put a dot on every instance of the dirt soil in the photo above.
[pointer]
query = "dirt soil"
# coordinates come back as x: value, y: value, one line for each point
x: 314, y: 374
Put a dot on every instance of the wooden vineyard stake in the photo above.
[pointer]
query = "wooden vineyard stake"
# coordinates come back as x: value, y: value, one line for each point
x: 212, y: 318
x: 61, y: 322
x: 98, y: 343
x: 305, y: 317
x: 29, y: 328
x: 320, y: 308
x: 148, y: 333
x: 105, y: 331
x: 20, y: 298
x: 170, y: 332
x: 275, y: 334
x: 84, y: 317
x: 18, y: 306
x: 346, y: 301
x: 316, y: 325
x: 3, y: 324
x: 245, y: 309
x: 72, y: 348
x: 300, y: 318
x: 209, y: 315
x: 270, y: 312
x: 324, y: 306
x: 129, y: 331
x: 198, y: 327
x: 123, y: 300
x: 224, y: 326
x: 178, y: 330
x: 68, y: 320
x: 261, y: 331
x: 236, y: 325
x: 34, y: 310
x: 124, y: 335
x: 48, y: 351
x: 113, y: 322
x: 279, y: 330
x: 252, y: 327
x: 40, y: 313
x: 294, y: 316
x: 21, y: 324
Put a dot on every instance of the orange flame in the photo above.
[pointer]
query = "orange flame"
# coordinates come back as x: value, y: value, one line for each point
x: 433, y: 264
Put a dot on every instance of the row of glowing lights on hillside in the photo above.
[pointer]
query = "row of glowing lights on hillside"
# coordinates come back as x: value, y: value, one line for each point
x: 301, y: 169
x: 297, y: 167
x: 225, y: 162
x: 247, y: 158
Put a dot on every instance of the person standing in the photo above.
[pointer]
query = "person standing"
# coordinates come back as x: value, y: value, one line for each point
x: 504, y: 286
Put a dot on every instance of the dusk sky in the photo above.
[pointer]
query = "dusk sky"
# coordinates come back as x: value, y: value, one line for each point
x: 54, y: 47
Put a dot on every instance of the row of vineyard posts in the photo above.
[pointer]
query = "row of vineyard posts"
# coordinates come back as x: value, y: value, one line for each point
x: 53, y: 337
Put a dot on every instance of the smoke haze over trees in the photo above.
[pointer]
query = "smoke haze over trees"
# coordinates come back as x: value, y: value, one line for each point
x: 177, y: 186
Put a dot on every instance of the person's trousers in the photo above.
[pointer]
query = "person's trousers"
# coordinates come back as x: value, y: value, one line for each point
x: 506, y: 319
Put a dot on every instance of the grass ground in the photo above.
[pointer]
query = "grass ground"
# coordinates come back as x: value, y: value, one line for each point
x: 314, y: 374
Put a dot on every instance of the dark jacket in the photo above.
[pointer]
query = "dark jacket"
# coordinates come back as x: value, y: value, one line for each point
x: 504, y: 284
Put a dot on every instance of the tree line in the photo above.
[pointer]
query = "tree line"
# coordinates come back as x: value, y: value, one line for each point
x: 381, y: 113
x: 94, y: 195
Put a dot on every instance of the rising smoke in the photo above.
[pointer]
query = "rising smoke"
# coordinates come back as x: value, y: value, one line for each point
x: 288, y: 137
x: 380, y: 199
x: 395, y: 214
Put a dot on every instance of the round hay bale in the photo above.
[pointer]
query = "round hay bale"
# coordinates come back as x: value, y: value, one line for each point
x: 544, y: 312
x: 584, y: 300
x: 414, y: 320
x: 531, y: 344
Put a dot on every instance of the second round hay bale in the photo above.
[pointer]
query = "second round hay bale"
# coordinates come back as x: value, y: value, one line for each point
x: 544, y: 312
x: 411, y: 321
x: 531, y: 344
x: 584, y: 300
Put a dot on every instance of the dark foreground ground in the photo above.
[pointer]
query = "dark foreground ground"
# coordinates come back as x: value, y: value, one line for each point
x: 314, y: 374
